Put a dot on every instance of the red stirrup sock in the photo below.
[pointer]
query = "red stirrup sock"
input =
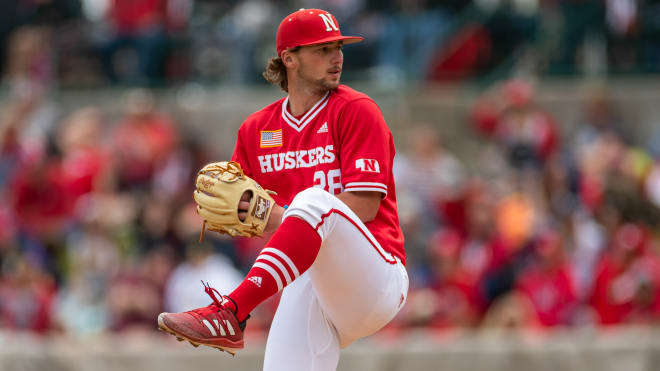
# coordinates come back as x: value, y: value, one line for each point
x: 288, y: 254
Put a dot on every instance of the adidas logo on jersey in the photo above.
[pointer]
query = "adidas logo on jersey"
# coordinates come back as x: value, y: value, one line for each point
x: 256, y: 280
x: 323, y: 129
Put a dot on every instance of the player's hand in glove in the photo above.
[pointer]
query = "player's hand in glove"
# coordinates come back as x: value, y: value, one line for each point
x: 221, y: 190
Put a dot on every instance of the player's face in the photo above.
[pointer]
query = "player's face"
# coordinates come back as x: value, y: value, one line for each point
x: 320, y: 65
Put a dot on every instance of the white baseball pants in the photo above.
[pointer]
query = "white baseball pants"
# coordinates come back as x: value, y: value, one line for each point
x: 352, y: 289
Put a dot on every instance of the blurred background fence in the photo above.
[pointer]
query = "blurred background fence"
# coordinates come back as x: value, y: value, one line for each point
x: 528, y: 176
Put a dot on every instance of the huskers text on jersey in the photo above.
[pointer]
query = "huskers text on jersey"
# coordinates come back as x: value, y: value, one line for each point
x: 296, y: 159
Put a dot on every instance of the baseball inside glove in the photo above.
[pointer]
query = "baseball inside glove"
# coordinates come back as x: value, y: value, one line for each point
x: 219, y: 187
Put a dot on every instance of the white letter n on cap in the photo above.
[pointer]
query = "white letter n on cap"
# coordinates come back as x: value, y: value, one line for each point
x: 329, y: 22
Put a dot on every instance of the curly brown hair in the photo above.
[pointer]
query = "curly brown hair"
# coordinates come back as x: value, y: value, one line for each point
x: 275, y: 72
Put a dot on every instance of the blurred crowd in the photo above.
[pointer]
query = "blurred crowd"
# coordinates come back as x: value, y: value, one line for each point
x: 533, y: 230
x: 87, y: 43
x: 98, y: 231
x: 97, y: 227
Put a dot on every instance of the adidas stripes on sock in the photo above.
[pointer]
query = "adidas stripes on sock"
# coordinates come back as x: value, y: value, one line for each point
x: 287, y: 255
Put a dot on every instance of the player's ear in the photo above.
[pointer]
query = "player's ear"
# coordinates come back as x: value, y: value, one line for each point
x: 288, y: 59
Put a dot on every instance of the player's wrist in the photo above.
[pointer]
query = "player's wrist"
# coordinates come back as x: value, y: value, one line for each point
x: 275, y: 218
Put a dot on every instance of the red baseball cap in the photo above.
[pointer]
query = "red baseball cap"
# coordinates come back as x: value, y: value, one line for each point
x: 309, y: 27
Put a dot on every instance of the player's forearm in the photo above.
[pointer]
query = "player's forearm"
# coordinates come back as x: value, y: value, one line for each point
x: 364, y: 204
x: 275, y: 218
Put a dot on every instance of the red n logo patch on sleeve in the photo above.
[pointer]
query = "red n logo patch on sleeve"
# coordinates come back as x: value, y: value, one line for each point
x: 367, y: 165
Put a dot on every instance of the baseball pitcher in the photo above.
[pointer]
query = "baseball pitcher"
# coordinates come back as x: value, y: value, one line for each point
x: 316, y: 168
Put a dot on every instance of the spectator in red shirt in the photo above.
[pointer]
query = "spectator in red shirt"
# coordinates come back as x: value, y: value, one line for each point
x: 83, y: 155
x: 142, y: 140
x: 139, y: 26
x: 452, y: 299
x: 548, y: 282
x: 26, y: 296
x: 510, y: 117
x: 44, y: 194
x: 39, y: 198
x: 627, y: 287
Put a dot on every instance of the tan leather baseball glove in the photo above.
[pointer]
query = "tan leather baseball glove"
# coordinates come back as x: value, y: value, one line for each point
x: 219, y: 187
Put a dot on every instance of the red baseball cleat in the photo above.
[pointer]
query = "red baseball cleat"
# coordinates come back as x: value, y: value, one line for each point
x: 214, y: 325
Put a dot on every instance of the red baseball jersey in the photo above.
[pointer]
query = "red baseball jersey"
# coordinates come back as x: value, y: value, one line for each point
x: 341, y: 144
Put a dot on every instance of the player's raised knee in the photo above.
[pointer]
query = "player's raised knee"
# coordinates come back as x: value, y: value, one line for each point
x: 314, y: 192
x: 311, y: 195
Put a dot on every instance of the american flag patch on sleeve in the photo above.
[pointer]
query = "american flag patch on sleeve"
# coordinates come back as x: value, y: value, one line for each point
x: 270, y: 138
